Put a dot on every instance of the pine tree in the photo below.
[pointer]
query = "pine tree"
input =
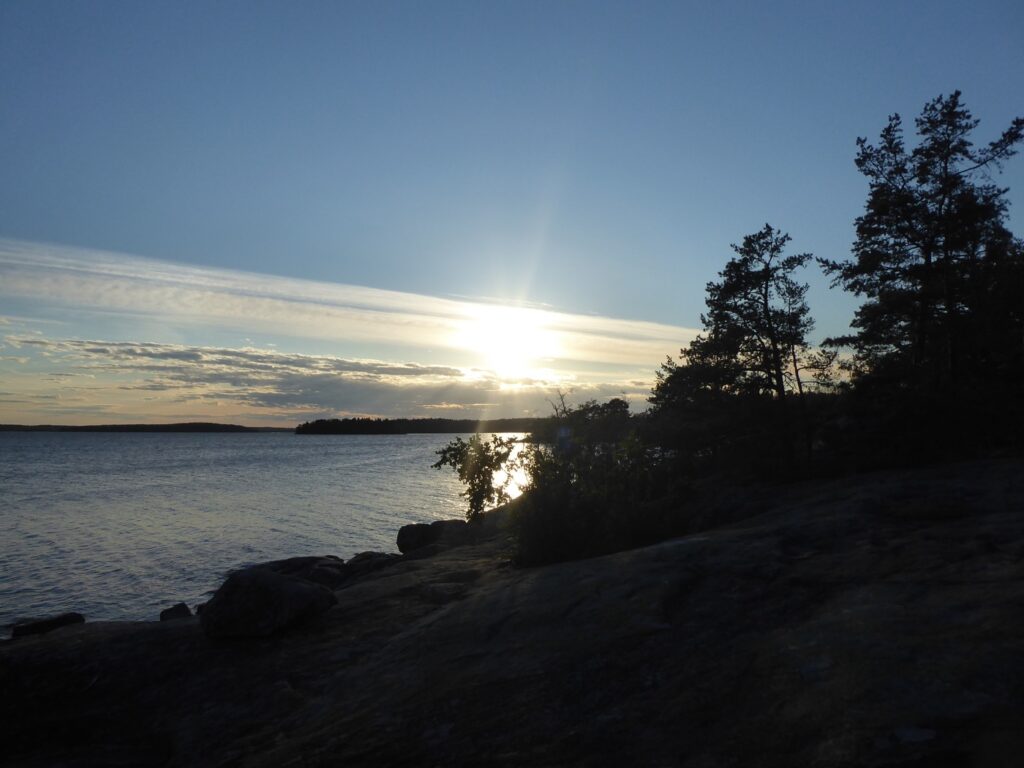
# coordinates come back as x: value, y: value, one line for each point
x: 762, y: 310
x: 932, y: 254
x: 726, y: 402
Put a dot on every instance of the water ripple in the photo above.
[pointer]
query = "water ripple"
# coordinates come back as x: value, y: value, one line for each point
x: 119, y: 525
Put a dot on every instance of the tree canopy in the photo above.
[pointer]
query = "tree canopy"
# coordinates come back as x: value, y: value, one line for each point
x: 759, y: 311
x: 717, y: 402
x: 932, y: 256
x: 755, y: 328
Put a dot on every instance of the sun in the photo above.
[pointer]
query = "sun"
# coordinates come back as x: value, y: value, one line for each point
x: 512, y: 342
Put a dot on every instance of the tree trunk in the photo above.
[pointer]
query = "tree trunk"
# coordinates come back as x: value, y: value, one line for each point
x: 805, y: 426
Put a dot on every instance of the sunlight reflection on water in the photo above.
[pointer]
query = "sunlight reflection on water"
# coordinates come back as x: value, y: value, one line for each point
x: 519, y: 478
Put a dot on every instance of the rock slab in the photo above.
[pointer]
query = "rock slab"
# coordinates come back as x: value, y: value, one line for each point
x: 328, y: 571
x: 179, y: 611
x: 257, y: 602
x: 42, y: 626
x: 446, y: 533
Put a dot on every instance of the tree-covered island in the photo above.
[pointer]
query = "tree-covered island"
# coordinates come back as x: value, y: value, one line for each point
x: 422, y: 426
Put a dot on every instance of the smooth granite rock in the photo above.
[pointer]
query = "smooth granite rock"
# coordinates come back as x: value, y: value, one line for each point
x: 368, y: 562
x: 257, y: 602
x: 42, y: 626
x: 444, y: 533
x: 179, y: 611
x: 414, y: 536
x: 329, y: 571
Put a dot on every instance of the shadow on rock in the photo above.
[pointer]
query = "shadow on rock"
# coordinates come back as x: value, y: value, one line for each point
x: 257, y: 602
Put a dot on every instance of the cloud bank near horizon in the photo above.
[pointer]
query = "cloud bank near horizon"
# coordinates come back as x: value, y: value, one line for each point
x: 89, y: 380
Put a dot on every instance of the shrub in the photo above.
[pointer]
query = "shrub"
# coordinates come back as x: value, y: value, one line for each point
x: 594, y: 487
x: 477, y: 463
x: 588, y: 498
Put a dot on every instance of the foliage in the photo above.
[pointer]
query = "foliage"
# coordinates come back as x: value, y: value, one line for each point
x: 725, y: 404
x: 478, y: 463
x: 589, y: 485
x: 695, y: 403
x: 757, y: 314
x: 586, y: 498
x: 939, y: 340
x: 933, y: 257
x: 606, y: 422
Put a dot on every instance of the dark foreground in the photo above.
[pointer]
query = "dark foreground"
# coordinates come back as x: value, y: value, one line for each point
x: 869, y: 621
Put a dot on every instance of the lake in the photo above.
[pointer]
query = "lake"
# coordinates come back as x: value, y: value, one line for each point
x: 121, y: 525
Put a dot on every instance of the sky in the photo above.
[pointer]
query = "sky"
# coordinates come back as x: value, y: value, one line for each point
x: 268, y: 212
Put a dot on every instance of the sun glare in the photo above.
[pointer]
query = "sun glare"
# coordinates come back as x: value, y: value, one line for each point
x: 511, y: 341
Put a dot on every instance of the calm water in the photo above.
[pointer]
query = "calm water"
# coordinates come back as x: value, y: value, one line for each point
x: 120, y: 526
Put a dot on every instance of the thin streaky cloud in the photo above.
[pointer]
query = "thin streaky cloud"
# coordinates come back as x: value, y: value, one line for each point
x: 110, y: 282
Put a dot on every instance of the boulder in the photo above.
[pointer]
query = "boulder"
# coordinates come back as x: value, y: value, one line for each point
x: 42, y: 626
x: 290, y: 566
x: 368, y: 562
x: 179, y: 611
x: 257, y: 602
x: 445, y: 533
x: 330, y: 571
x: 414, y: 536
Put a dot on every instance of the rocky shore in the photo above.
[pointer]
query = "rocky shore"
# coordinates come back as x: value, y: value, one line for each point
x: 868, y: 621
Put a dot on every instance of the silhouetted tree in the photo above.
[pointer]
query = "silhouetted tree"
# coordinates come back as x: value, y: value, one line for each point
x: 758, y: 312
x: 479, y: 463
x: 715, y: 405
x: 932, y: 255
x: 693, y: 403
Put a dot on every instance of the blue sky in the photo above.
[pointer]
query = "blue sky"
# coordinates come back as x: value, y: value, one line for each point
x: 591, y: 161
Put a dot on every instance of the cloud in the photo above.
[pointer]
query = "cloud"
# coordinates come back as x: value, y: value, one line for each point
x: 155, y: 356
x: 108, y: 282
x: 480, y: 358
x: 275, y: 384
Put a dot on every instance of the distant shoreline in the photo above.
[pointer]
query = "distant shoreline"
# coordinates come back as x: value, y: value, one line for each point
x: 359, y: 426
x: 418, y: 426
x: 196, y: 426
